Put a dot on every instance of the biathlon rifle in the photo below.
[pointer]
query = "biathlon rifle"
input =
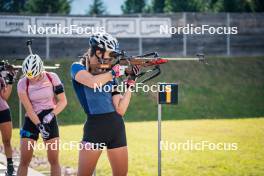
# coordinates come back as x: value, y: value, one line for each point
x: 6, y: 68
x: 149, y: 64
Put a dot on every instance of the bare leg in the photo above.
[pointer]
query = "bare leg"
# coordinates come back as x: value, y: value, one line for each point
x: 6, y: 131
x: 53, y: 156
x: 87, y: 161
x: 118, y: 158
x: 26, y: 156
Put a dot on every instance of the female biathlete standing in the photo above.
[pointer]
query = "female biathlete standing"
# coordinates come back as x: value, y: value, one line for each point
x: 5, y: 119
x: 42, y: 95
x: 104, y: 125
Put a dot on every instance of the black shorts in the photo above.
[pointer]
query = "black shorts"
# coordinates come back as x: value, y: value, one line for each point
x: 31, y: 131
x: 105, y: 130
x: 5, y: 116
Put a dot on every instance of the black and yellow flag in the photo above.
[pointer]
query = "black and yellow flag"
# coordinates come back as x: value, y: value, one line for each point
x: 168, y: 93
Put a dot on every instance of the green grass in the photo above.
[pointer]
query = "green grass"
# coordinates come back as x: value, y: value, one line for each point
x: 248, y: 160
x: 226, y: 88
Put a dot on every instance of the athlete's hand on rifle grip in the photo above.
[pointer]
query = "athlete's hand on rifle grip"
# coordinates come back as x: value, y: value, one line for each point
x: 136, y: 70
x: 118, y: 70
x: 43, y: 131
x: 48, y: 118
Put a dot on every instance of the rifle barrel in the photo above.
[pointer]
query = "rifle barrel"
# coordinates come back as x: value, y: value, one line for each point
x: 183, y: 58
x: 174, y: 58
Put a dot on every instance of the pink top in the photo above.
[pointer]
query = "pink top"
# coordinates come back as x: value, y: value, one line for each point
x: 3, y: 103
x: 40, y: 93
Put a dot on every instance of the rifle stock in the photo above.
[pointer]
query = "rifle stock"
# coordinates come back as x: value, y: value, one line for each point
x: 142, y: 62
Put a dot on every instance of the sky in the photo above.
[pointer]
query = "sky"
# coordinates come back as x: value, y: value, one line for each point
x: 79, y: 7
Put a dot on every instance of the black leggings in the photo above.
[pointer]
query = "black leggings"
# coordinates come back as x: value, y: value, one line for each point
x: 105, y: 130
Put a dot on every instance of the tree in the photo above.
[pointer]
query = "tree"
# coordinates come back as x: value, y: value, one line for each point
x: 237, y: 6
x: 214, y: 6
x: 48, y: 6
x: 12, y: 6
x: 148, y: 8
x: 184, y: 6
x: 259, y: 5
x: 97, y: 8
x: 158, y: 6
x: 231, y: 6
x: 133, y: 6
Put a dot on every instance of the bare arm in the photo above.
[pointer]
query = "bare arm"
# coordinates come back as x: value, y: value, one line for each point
x: 121, y: 102
x: 6, y: 92
x: 61, y: 103
x: 86, y: 78
x: 28, y: 106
